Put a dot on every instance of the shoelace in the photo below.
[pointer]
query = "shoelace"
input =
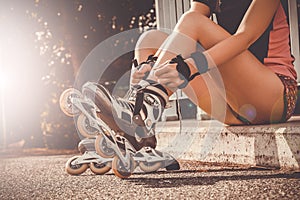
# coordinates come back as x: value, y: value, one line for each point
x: 130, y: 95
x: 125, y: 104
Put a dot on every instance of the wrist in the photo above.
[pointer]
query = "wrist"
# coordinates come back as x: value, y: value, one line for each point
x: 200, y: 61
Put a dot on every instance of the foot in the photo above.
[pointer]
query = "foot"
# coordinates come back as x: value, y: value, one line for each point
x: 121, y: 114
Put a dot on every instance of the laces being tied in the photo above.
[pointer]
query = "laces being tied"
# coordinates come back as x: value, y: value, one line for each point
x: 151, y: 98
x: 184, y: 70
x: 150, y: 60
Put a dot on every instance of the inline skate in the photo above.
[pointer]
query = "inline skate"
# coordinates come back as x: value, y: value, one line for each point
x: 123, y: 128
x: 89, y: 159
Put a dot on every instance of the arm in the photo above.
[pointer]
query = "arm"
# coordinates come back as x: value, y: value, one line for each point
x: 138, y: 75
x: 254, y: 23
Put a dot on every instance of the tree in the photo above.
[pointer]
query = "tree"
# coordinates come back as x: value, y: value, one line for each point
x: 71, y: 30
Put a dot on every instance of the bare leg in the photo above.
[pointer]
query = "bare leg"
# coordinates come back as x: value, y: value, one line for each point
x: 250, y: 86
x: 148, y: 44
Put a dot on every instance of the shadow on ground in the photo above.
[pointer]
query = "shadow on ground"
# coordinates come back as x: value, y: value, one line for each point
x: 204, y: 179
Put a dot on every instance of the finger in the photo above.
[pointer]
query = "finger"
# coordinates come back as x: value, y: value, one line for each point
x: 138, y: 74
x: 135, y: 81
x: 145, y: 68
x: 170, y: 82
x: 137, y: 77
x: 160, y: 65
x: 170, y: 86
x: 165, y: 69
x: 172, y: 74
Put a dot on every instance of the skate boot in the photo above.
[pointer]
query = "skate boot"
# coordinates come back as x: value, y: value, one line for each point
x: 135, y: 123
x: 115, y: 151
x: 135, y: 117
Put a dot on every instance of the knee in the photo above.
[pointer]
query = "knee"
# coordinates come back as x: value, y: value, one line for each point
x: 192, y: 16
x: 191, y: 20
x: 152, y: 39
x: 153, y: 34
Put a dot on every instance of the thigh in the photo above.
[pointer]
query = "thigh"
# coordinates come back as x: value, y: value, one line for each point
x: 252, y: 90
x: 211, y: 98
x: 259, y: 99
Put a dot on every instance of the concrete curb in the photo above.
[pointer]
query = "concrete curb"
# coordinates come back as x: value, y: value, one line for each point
x: 275, y: 146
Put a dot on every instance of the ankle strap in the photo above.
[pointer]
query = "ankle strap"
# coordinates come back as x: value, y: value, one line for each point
x: 150, y: 60
x: 152, y: 87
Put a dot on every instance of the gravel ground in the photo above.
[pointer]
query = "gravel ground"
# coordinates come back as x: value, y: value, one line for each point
x: 43, y: 177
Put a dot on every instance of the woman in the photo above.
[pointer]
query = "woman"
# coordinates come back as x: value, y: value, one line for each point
x: 248, y: 48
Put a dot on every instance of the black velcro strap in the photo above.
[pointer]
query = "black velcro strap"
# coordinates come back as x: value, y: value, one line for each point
x: 138, y: 103
x: 135, y: 63
x: 200, y: 61
x: 194, y: 76
x: 150, y: 60
x: 183, y: 70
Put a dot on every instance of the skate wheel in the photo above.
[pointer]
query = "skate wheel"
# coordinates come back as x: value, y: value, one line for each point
x: 100, y: 168
x: 66, y: 104
x: 75, y: 169
x: 84, y: 127
x: 150, y: 166
x: 102, y: 149
x: 120, y: 170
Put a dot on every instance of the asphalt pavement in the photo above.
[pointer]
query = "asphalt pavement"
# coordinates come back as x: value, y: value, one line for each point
x: 43, y: 177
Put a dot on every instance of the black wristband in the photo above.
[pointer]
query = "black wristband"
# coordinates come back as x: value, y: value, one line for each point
x: 183, y: 70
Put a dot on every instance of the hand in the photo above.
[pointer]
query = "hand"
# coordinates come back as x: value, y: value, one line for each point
x: 139, y: 73
x: 168, y: 76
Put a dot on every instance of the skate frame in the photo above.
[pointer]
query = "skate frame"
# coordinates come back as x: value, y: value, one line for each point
x: 90, y: 157
x: 98, y: 124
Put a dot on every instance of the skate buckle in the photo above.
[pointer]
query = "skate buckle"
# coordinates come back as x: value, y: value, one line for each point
x: 148, y: 123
